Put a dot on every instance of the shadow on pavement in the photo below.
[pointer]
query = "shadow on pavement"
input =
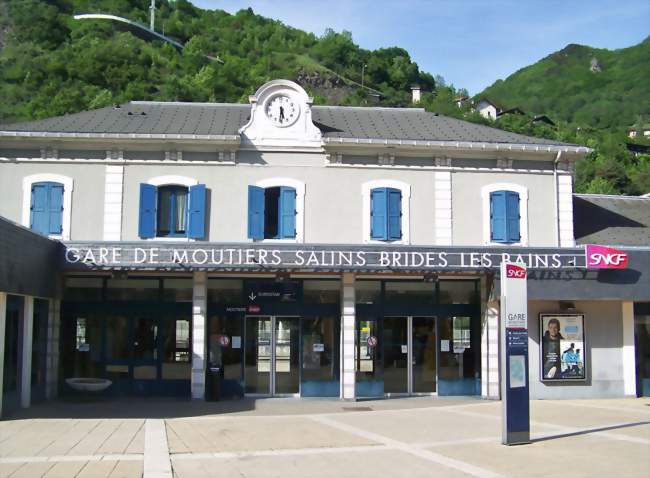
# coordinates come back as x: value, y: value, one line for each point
x: 591, y: 430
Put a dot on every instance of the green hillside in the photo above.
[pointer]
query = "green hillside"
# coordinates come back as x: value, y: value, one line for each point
x: 583, y: 85
x: 51, y: 64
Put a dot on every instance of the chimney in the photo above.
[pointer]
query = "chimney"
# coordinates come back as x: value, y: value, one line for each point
x: 415, y: 91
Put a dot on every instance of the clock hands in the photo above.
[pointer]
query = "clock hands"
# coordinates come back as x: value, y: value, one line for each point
x: 281, y: 114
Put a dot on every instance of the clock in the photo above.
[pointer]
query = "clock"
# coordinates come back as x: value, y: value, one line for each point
x: 282, y: 110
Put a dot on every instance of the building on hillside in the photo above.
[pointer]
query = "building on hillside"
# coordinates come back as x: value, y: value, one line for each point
x: 487, y: 108
x: 278, y: 248
x: 636, y: 131
x: 543, y: 119
x: 511, y: 111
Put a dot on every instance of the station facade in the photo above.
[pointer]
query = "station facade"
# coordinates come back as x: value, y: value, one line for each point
x: 286, y: 249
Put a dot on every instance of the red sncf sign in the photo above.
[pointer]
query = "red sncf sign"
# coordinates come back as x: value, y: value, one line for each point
x: 601, y: 257
x: 514, y: 271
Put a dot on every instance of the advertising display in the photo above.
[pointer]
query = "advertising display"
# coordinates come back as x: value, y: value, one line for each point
x: 563, y: 347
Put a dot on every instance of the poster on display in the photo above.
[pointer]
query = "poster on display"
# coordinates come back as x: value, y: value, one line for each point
x: 563, y: 347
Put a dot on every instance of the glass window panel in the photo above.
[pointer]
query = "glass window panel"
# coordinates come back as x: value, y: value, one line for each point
x: 133, y: 289
x: 458, y: 292
x: 118, y: 346
x: 458, y: 362
x: 181, y: 211
x: 177, y: 340
x: 177, y: 290
x: 403, y: 292
x: 164, y: 210
x: 367, y: 292
x: 226, y: 291
x: 367, y: 353
x: 320, y: 339
x: 83, y: 288
x: 145, y: 338
x: 227, y: 356
x: 321, y: 291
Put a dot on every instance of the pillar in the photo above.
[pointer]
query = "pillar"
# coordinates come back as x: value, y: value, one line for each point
x: 348, y: 387
x: 113, y: 190
x: 199, y: 313
x: 443, y: 218
x: 629, y: 359
x: 27, y: 327
x: 3, y: 320
x: 52, y: 354
x: 490, y: 352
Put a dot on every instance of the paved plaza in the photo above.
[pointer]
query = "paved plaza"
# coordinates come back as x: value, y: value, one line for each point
x: 414, y: 437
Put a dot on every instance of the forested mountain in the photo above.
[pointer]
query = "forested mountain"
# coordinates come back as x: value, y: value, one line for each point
x: 51, y: 64
x: 579, y: 84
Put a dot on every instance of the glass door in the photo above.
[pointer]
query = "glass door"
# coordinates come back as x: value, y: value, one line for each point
x: 272, y: 359
x: 396, y: 353
x: 424, y: 355
x: 257, y: 368
x: 286, y: 359
x: 368, y: 359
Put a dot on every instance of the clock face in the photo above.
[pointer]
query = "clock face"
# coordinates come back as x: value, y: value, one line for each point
x: 282, y: 110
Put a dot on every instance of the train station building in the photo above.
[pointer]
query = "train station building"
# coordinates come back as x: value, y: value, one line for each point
x: 279, y: 248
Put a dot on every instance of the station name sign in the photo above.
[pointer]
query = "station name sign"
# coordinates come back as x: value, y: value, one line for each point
x: 312, y: 257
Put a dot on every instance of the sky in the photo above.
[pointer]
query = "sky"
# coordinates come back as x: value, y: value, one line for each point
x: 471, y: 43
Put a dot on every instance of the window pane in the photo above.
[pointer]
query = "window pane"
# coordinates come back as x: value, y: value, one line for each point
x: 320, y: 339
x: 458, y: 292
x: 367, y: 292
x: 117, y: 337
x: 164, y: 209
x: 410, y: 293
x: 181, y: 212
x: 132, y: 289
x: 226, y: 291
x: 321, y: 291
x: 83, y: 288
x: 271, y: 212
x: 145, y: 339
x: 177, y: 290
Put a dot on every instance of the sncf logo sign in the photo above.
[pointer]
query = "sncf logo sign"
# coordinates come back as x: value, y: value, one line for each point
x: 514, y: 271
x: 601, y: 257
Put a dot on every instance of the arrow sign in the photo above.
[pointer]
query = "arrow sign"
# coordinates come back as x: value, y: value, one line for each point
x: 252, y: 296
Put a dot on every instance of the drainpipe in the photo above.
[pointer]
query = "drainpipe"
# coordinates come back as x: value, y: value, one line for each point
x: 556, y: 199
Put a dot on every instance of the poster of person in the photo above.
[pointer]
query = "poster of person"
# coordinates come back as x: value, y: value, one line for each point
x: 562, y: 346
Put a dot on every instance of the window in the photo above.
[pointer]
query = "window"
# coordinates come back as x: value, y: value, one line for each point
x: 386, y: 214
x: 172, y: 210
x: 46, y: 216
x: 504, y: 216
x: 272, y: 212
x: 386, y: 211
x: 47, y: 203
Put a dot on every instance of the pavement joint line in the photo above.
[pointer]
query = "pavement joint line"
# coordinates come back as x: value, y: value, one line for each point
x: 409, y: 448
x: 156, y: 450
x: 279, y: 452
x: 571, y: 430
x: 607, y: 407
x: 461, y: 441
x: 65, y: 458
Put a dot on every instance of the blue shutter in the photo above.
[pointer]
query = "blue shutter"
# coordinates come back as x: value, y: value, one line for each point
x: 255, y: 212
x: 55, y: 208
x: 196, y: 229
x: 512, y: 216
x: 287, y: 213
x: 394, y: 214
x: 498, y: 216
x: 378, y: 214
x: 147, y: 226
x: 39, y: 220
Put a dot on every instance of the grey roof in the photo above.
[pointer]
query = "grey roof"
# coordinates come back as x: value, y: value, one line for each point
x: 219, y: 119
x: 611, y: 220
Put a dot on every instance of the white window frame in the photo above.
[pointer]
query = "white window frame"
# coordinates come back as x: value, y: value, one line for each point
x: 523, y: 212
x: 299, y: 186
x: 68, y: 186
x: 405, y: 189
x: 171, y: 180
